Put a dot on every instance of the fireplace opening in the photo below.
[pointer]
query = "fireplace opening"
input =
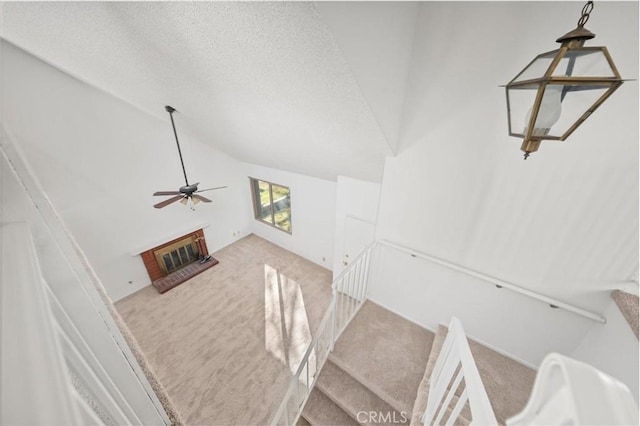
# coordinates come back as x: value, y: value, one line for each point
x: 177, y: 255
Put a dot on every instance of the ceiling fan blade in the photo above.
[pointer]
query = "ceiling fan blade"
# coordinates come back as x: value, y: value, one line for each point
x: 199, y: 198
x: 211, y: 189
x: 166, y: 193
x: 167, y: 202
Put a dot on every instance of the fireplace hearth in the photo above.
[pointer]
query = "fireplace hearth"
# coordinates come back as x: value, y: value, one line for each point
x: 174, y: 262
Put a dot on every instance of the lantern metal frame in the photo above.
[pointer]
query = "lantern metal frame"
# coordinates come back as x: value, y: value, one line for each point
x: 572, y: 47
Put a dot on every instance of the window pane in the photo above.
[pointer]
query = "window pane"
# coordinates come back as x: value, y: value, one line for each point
x: 282, y: 207
x: 264, y: 212
x: 272, y: 203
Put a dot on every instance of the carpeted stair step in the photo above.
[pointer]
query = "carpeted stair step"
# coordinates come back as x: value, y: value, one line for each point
x: 422, y: 396
x: 508, y: 383
x: 321, y: 411
x: 386, y: 353
x: 371, y: 385
x: 420, y: 404
x: 628, y: 304
x: 356, y: 400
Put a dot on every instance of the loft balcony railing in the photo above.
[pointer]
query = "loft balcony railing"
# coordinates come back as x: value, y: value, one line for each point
x: 349, y: 293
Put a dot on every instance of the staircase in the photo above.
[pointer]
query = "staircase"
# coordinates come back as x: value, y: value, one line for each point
x: 382, y: 361
x: 373, y: 374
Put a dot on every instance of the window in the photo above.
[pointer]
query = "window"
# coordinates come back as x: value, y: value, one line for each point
x: 272, y: 204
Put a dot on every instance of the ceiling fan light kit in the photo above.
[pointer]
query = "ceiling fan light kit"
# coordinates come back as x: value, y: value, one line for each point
x: 557, y: 91
x: 188, y: 192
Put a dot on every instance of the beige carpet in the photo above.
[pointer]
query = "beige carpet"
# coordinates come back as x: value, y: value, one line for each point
x: 355, y: 399
x: 224, y: 343
x: 628, y: 305
x: 385, y: 353
x: 322, y: 411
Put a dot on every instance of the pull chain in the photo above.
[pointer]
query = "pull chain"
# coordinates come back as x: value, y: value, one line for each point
x: 586, y: 11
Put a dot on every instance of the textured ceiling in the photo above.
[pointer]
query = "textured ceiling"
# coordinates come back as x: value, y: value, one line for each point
x: 376, y: 39
x: 265, y: 82
x: 332, y: 88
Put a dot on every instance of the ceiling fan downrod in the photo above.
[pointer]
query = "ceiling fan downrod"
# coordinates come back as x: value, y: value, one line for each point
x: 171, y: 110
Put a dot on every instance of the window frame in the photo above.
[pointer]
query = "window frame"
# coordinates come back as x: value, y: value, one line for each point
x: 254, y: 183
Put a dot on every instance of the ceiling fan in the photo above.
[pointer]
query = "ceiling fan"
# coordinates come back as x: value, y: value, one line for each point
x: 187, y: 192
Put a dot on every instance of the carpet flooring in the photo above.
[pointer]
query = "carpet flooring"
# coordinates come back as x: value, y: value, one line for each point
x: 225, y: 343
x: 386, y: 353
x: 373, y: 374
x: 628, y: 304
x: 379, y: 374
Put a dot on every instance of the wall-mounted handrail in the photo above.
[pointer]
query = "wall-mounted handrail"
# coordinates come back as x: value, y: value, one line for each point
x: 555, y: 303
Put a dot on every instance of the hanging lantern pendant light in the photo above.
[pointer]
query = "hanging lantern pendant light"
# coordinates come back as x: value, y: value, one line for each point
x: 560, y: 89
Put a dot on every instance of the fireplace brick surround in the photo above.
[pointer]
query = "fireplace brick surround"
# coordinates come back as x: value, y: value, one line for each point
x: 166, y: 281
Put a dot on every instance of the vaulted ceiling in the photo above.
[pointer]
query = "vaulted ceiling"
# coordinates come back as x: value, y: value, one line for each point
x: 290, y: 85
x: 333, y: 88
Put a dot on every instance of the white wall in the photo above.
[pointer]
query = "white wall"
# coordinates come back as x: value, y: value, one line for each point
x: 313, y: 206
x: 91, y: 326
x: 612, y: 348
x: 429, y: 294
x: 564, y: 223
x: 99, y: 160
x: 357, y: 199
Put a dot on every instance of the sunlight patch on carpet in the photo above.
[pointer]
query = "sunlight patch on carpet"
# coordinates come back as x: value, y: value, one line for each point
x: 287, y: 332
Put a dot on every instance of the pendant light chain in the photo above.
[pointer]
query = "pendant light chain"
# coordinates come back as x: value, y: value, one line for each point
x: 586, y: 11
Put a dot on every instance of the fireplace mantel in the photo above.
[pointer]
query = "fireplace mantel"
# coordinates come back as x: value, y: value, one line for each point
x: 167, y: 237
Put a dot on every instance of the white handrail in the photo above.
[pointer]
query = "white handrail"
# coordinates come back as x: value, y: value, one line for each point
x: 554, y: 303
x: 349, y: 294
x: 455, y: 363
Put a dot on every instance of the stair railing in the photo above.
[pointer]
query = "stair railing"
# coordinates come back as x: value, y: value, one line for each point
x: 454, y: 365
x: 349, y: 291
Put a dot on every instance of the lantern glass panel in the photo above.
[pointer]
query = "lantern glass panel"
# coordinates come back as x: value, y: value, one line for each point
x: 576, y: 100
x: 584, y: 62
x: 537, y: 68
x: 520, y: 100
x: 561, y: 107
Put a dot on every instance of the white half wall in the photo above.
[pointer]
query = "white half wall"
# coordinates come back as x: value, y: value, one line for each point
x: 100, y: 160
x: 87, y: 321
x: 357, y: 199
x: 313, y: 207
x: 612, y: 348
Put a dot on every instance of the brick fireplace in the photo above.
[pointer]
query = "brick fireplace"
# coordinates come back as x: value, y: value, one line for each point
x: 174, y: 262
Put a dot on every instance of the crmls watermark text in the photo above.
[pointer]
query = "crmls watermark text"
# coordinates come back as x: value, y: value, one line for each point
x: 373, y: 417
